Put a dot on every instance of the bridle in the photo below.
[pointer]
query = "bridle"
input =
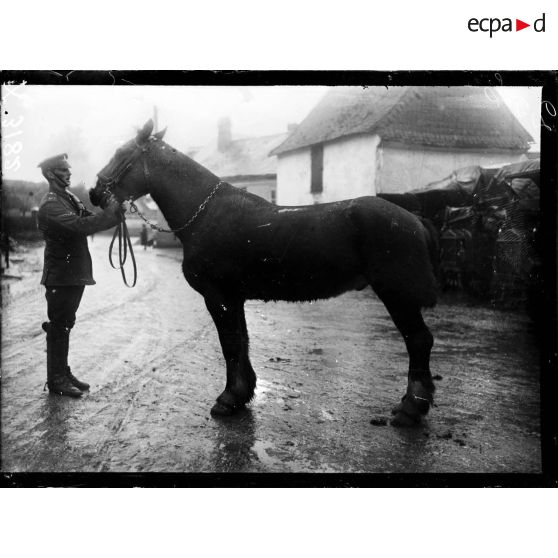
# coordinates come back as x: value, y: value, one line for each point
x: 112, y: 181
x: 121, y: 232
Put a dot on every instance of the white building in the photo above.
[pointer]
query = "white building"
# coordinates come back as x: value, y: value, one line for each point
x: 364, y: 141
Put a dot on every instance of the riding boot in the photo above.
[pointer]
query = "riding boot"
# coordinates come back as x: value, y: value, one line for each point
x: 83, y: 386
x: 57, y: 362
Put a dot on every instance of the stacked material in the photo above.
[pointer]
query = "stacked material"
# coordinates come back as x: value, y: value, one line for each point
x: 487, y: 221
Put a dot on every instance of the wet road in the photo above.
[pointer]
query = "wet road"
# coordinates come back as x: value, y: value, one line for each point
x: 325, y: 371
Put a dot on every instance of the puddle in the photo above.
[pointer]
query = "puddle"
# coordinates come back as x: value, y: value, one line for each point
x: 260, y: 449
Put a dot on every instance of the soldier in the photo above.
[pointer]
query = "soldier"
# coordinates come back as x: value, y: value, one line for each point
x: 144, y: 237
x: 65, y: 224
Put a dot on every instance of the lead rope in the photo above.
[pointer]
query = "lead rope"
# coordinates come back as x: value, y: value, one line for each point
x: 124, y: 245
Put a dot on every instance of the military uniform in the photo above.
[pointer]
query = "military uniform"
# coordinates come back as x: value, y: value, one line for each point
x: 65, y: 223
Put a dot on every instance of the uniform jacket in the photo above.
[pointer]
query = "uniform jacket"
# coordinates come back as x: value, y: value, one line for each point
x: 65, y: 224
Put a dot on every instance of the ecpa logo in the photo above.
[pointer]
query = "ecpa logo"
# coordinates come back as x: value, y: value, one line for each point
x: 494, y: 24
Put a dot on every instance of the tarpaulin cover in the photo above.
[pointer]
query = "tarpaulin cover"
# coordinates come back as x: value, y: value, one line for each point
x: 519, y: 180
x: 524, y: 169
x: 456, y: 190
x: 461, y: 180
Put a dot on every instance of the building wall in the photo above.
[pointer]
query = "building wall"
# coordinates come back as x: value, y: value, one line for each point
x: 266, y: 188
x: 349, y: 171
x: 293, y: 178
x: 401, y: 169
x: 350, y: 168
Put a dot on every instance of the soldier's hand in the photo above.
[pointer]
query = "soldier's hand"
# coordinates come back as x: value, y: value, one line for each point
x: 104, y: 199
x: 112, y: 204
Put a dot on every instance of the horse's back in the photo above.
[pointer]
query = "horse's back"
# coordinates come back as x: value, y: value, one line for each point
x: 271, y: 252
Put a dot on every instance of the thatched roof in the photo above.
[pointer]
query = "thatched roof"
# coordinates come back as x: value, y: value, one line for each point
x: 454, y: 117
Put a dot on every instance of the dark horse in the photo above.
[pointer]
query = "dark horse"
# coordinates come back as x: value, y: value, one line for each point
x: 237, y: 246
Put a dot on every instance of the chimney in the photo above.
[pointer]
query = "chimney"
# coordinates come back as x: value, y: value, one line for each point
x: 224, y: 136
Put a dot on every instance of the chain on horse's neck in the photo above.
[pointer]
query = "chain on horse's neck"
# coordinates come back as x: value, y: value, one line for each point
x: 190, y: 221
x: 134, y: 209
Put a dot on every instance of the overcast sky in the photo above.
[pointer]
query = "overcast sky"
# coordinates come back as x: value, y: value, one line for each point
x: 89, y: 122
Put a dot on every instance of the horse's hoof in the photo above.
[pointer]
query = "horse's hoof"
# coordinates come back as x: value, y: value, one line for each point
x: 398, y: 407
x: 222, y: 410
x: 403, y: 420
x: 415, y: 402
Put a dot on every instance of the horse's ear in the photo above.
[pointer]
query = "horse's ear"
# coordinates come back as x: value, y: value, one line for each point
x: 160, y: 135
x: 145, y: 132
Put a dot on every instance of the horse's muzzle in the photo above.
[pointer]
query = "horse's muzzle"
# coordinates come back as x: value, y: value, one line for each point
x: 100, y: 195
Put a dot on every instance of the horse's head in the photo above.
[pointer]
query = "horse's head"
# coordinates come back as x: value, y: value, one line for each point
x: 127, y: 175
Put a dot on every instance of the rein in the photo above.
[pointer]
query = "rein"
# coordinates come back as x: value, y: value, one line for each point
x: 124, y: 244
x: 121, y: 232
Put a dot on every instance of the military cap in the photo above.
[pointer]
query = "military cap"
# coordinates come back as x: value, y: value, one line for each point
x: 56, y: 162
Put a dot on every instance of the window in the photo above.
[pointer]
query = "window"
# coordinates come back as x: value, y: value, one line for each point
x: 273, y: 196
x: 317, y: 169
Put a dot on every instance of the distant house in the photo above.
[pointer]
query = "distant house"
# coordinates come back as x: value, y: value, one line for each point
x: 364, y: 141
x: 244, y: 163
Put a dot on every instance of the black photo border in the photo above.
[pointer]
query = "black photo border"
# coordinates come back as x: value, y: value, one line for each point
x: 548, y: 80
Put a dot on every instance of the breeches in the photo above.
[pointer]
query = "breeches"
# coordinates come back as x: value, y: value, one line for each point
x: 62, y: 305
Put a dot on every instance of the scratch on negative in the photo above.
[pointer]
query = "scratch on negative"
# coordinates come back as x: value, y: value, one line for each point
x: 287, y: 247
x: 266, y: 225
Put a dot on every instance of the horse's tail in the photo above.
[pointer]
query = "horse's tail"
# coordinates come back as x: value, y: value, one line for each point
x: 433, y: 243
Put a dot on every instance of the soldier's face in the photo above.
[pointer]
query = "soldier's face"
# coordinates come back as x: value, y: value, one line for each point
x: 64, y: 175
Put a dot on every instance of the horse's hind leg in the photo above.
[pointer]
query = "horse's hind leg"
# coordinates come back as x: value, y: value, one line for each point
x: 419, y: 341
x: 229, y: 318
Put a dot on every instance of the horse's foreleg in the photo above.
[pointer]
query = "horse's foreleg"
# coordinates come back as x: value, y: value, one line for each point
x: 230, y: 321
x: 419, y: 341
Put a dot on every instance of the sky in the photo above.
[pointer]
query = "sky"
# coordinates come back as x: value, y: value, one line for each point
x: 90, y: 122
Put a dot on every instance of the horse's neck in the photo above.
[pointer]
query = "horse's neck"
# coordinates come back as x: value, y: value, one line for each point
x: 179, y: 187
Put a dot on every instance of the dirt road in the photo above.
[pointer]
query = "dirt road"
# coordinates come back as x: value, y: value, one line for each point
x: 325, y: 371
